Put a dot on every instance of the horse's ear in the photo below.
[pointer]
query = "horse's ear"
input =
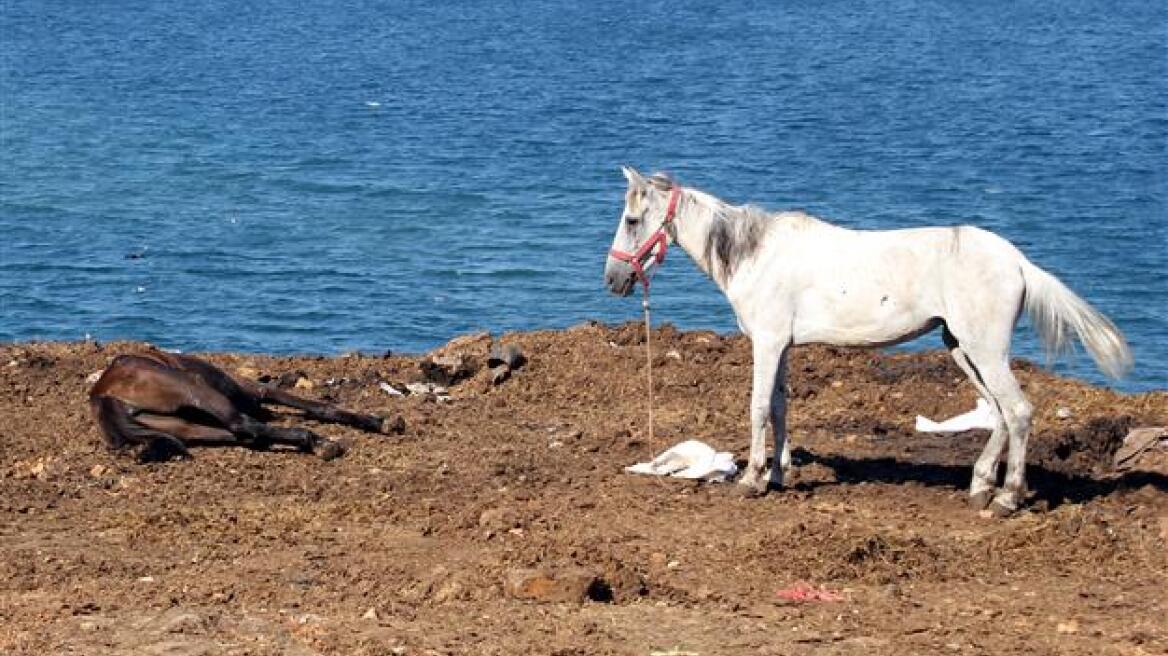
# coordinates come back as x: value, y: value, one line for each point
x: 634, y: 178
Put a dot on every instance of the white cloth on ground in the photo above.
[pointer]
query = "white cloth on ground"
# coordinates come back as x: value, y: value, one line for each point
x: 981, y: 417
x: 690, y: 459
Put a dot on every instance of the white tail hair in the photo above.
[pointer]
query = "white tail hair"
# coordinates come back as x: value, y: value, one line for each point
x: 1056, y: 311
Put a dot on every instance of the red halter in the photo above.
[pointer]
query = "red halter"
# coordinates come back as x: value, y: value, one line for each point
x: 644, y: 255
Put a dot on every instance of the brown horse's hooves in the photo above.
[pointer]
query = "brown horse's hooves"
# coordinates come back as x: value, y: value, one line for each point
x: 980, y: 500
x: 163, y: 450
x: 395, y: 426
x: 328, y: 450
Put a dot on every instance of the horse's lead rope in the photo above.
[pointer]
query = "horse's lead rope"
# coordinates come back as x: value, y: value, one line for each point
x: 649, y: 362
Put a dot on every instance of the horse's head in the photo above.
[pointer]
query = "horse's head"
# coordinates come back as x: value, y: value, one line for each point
x: 641, y: 236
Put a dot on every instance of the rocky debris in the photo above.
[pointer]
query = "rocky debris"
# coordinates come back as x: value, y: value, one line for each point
x: 572, y: 584
x: 882, y: 521
x: 503, y: 359
x: 506, y: 354
x: 247, y: 372
x: 395, y: 426
x: 1137, y: 442
x: 391, y: 389
x: 447, y: 370
x: 284, y: 380
x: 499, y: 374
x: 429, y: 389
x: 473, y: 345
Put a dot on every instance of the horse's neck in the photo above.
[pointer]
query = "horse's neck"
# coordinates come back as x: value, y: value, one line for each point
x: 694, y: 220
x: 722, y: 238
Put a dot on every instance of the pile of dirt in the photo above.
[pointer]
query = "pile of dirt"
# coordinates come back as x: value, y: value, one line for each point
x: 419, y: 542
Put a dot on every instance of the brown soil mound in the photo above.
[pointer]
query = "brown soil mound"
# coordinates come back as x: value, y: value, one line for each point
x: 406, y: 544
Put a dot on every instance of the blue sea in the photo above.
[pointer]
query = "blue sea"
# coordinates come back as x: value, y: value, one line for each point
x: 326, y: 176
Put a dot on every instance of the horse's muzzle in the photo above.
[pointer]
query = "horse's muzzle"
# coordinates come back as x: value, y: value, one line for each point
x: 619, y: 277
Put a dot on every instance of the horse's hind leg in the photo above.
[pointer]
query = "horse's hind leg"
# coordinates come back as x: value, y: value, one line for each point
x: 321, y: 411
x: 1016, y: 411
x: 121, y: 429
x: 304, y: 440
x: 981, y: 489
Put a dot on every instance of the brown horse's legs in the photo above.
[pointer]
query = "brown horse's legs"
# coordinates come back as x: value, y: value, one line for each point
x: 302, y: 439
x: 121, y: 429
x: 258, y: 435
x: 163, y: 448
x: 321, y: 411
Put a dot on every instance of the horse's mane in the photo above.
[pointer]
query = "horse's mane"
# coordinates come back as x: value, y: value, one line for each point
x: 736, y: 232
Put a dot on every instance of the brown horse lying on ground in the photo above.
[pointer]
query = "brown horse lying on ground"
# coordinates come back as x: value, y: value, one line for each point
x: 164, y: 401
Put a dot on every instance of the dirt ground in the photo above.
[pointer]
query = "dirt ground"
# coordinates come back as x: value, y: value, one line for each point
x: 405, y: 545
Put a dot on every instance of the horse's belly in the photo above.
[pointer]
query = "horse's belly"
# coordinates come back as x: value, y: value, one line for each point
x: 862, y: 320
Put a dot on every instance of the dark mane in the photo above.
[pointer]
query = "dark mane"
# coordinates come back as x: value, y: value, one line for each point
x: 735, y: 234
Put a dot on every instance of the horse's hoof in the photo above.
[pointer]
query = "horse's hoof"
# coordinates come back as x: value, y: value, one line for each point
x: 328, y: 450
x: 980, y: 500
x: 751, y: 491
x: 999, y: 510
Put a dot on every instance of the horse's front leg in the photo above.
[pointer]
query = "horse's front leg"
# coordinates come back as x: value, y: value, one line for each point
x: 781, y: 462
x: 767, y: 404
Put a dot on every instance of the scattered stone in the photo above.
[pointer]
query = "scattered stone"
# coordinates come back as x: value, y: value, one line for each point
x: 390, y: 389
x: 42, y: 469
x: 446, y: 370
x: 370, y: 614
x: 574, y: 584
x: 286, y: 379
x: 1063, y: 413
x: 250, y: 373
x: 499, y: 374
x: 429, y: 389
x: 498, y: 519
x: 304, y: 383
x: 509, y: 355
x: 180, y: 621
x: 1136, y: 442
x: 395, y: 426
x: 93, y: 377
x: 97, y: 471
x: 1068, y: 627
x: 673, y: 354
x: 473, y: 343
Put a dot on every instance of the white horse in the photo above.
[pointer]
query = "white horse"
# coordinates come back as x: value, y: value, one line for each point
x: 794, y: 279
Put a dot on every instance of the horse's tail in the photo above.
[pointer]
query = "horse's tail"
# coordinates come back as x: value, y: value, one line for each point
x: 1055, y: 311
x: 117, y: 426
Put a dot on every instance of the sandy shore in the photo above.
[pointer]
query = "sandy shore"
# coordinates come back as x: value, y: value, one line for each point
x: 420, y: 543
